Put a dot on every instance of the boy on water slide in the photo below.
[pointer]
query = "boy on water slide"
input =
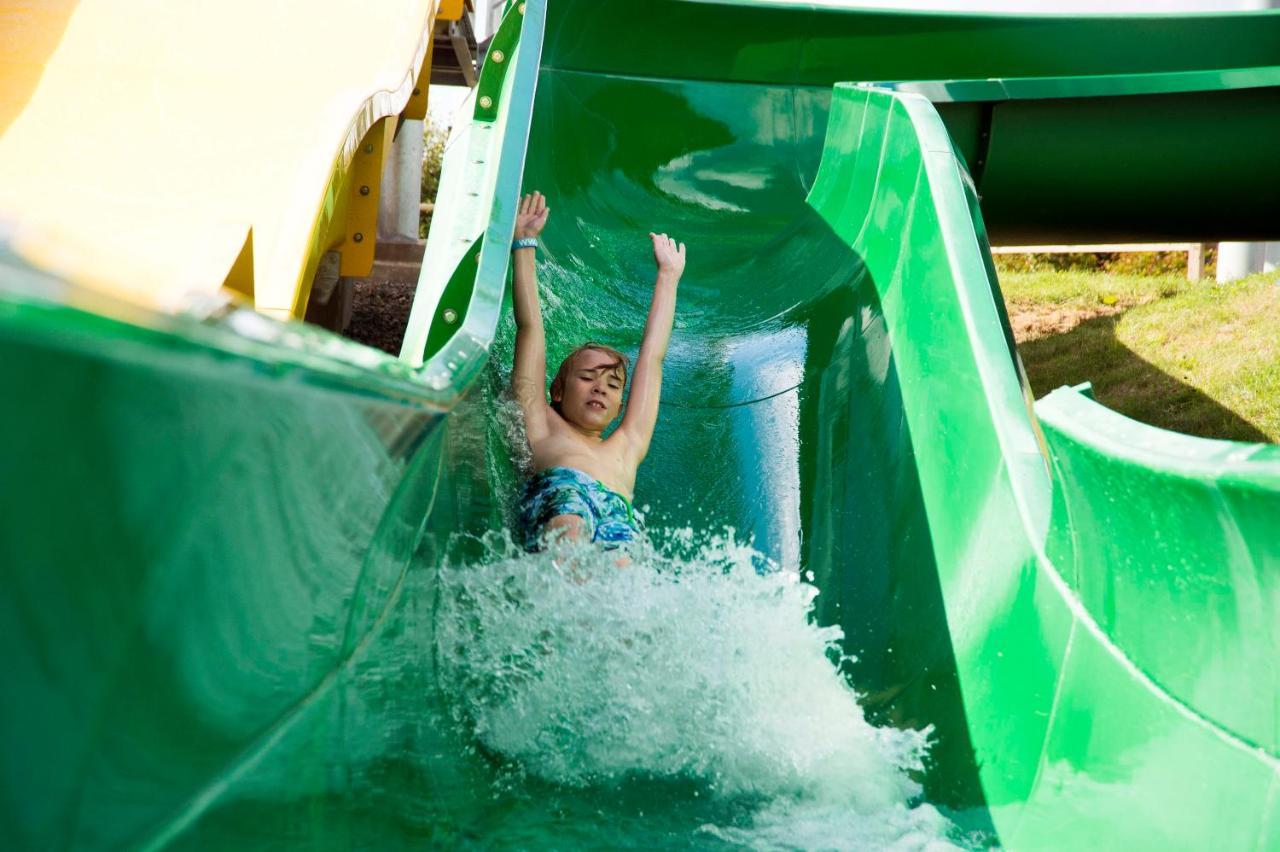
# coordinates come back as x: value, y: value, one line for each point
x: 582, y: 486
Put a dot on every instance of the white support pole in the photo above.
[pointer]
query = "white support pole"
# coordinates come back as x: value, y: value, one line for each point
x: 1237, y: 260
x: 402, y: 186
x: 408, y: 163
x: 1271, y: 257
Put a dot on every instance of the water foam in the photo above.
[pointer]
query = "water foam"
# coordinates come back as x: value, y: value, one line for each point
x: 696, y: 668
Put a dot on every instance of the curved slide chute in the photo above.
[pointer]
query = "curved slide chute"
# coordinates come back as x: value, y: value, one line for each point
x: 222, y: 533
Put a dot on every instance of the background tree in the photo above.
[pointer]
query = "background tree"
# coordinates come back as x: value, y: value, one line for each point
x: 434, y: 137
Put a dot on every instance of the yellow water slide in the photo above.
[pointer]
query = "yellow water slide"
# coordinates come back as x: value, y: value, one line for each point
x: 160, y: 152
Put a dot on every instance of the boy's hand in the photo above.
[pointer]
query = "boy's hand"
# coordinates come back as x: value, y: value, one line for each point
x: 532, y: 216
x: 668, y: 254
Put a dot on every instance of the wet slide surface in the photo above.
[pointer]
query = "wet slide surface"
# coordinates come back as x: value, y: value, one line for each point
x: 252, y: 620
x: 842, y: 388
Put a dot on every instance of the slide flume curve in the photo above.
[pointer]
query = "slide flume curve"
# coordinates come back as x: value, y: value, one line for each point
x: 228, y: 541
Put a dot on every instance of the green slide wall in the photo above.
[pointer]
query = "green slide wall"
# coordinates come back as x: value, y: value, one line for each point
x: 1102, y: 605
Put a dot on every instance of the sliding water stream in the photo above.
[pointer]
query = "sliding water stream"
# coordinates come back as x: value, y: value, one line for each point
x: 679, y: 702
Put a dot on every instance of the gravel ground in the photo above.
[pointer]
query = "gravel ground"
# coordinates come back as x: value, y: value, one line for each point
x: 379, y: 313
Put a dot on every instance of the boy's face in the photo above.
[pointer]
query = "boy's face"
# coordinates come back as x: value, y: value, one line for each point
x: 592, y: 395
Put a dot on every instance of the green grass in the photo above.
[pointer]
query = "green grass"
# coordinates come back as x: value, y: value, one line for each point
x: 1198, y: 358
x: 1084, y: 289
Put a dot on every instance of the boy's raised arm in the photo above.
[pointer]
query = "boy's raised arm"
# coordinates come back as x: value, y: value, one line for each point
x: 529, y: 373
x: 646, y: 386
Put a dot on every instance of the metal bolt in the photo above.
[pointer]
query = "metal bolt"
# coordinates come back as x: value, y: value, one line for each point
x: 521, y: 8
x: 486, y: 102
x: 477, y: 257
x: 450, y: 316
x: 368, y: 149
x: 498, y: 56
x: 364, y: 190
x: 357, y: 237
x: 417, y: 91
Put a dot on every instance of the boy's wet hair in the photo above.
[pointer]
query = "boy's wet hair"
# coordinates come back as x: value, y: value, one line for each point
x: 619, y: 363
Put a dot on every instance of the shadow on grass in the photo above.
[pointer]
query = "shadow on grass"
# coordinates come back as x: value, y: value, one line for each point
x: 1128, y: 383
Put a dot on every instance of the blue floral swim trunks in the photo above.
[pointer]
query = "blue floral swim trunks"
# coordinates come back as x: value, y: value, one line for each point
x: 610, y: 519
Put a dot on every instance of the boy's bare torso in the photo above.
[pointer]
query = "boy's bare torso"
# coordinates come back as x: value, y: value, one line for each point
x: 603, y: 462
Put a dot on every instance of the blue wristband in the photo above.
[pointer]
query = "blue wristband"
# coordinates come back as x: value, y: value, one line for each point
x: 524, y: 242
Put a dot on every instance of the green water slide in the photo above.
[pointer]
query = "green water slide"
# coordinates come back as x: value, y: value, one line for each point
x: 222, y: 534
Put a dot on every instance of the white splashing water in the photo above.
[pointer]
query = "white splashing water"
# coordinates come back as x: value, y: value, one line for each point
x: 587, y: 674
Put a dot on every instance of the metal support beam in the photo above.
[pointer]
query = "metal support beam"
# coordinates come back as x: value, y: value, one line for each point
x: 1195, y: 262
x: 462, y: 50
